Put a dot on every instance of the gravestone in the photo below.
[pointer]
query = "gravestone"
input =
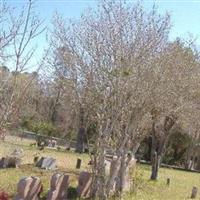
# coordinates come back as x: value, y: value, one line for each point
x: 168, y: 181
x: 78, y: 163
x: 127, y: 178
x: 10, y: 162
x: 58, y: 187
x: 125, y: 185
x: 84, y: 185
x: 17, y: 153
x: 52, y: 143
x: 194, y: 193
x: 13, y: 160
x: 29, y: 188
x: 47, y: 163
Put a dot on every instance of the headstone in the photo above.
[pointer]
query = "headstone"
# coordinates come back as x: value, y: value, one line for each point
x: 29, y: 188
x: 78, y: 163
x: 10, y: 162
x: 17, y: 153
x: 58, y: 187
x: 125, y: 183
x: 84, y: 185
x: 194, y: 193
x: 39, y: 163
x: 47, y: 163
x: 52, y: 143
x: 90, y: 162
x: 35, y: 159
x: 107, y: 166
x: 2, y: 163
x: 168, y: 181
x: 129, y: 170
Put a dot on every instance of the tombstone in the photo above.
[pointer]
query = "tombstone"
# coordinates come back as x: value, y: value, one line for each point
x: 29, y: 188
x: 49, y: 143
x: 52, y: 143
x: 90, y: 162
x: 35, y: 159
x: 17, y: 153
x: 168, y: 181
x: 58, y: 187
x: 131, y: 167
x: 39, y: 163
x: 78, y: 163
x: 126, y: 184
x: 107, y: 166
x: 10, y: 162
x: 2, y: 163
x: 47, y: 163
x: 84, y: 185
x: 194, y: 193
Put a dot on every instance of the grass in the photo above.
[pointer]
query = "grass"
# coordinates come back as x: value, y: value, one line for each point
x: 180, y: 187
x: 144, y: 189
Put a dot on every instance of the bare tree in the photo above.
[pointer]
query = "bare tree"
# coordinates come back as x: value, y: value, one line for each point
x: 177, y: 80
x: 17, y: 51
x: 109, y: 58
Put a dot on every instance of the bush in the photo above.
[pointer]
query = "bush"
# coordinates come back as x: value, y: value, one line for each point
x: 45, y: 128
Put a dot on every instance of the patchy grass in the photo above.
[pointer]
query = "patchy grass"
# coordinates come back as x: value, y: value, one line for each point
x: 144, y: 189
x: 66, y: 162
x: 179, y: 189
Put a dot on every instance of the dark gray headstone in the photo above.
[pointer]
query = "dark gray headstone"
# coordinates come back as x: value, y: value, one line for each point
x: 10, y: 162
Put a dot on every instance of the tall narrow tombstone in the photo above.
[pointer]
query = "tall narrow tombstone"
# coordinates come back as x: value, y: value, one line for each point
x: 78, y: 163
x: 194, y: 193
x: 84, y: 185
x: 168, y: 181
x: 58, y: 187
x: 29, y: 188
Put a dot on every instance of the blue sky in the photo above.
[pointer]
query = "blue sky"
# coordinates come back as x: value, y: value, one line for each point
x: 185, y: 14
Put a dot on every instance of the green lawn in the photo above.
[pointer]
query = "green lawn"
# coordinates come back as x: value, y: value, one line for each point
x: 179, y: 189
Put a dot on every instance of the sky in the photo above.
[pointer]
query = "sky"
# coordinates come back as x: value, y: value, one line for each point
x: 185, y: 14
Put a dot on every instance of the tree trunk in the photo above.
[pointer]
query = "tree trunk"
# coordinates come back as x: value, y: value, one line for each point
x: 160, y: 137
x: 123, y: 176
x: 189, y: 159
x: 156, y: 161
x: 80, y: 140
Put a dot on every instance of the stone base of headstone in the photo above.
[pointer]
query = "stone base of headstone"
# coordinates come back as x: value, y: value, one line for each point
x: 84, y: 185
x: 48, y: 163
x: 58, y: 187
x: 29, y: 188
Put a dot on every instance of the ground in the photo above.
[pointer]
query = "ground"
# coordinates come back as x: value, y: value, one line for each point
x: 179, y: 188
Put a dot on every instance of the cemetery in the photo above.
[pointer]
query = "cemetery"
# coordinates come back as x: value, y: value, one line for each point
x: 99, y: 100
x: 66, y: 179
